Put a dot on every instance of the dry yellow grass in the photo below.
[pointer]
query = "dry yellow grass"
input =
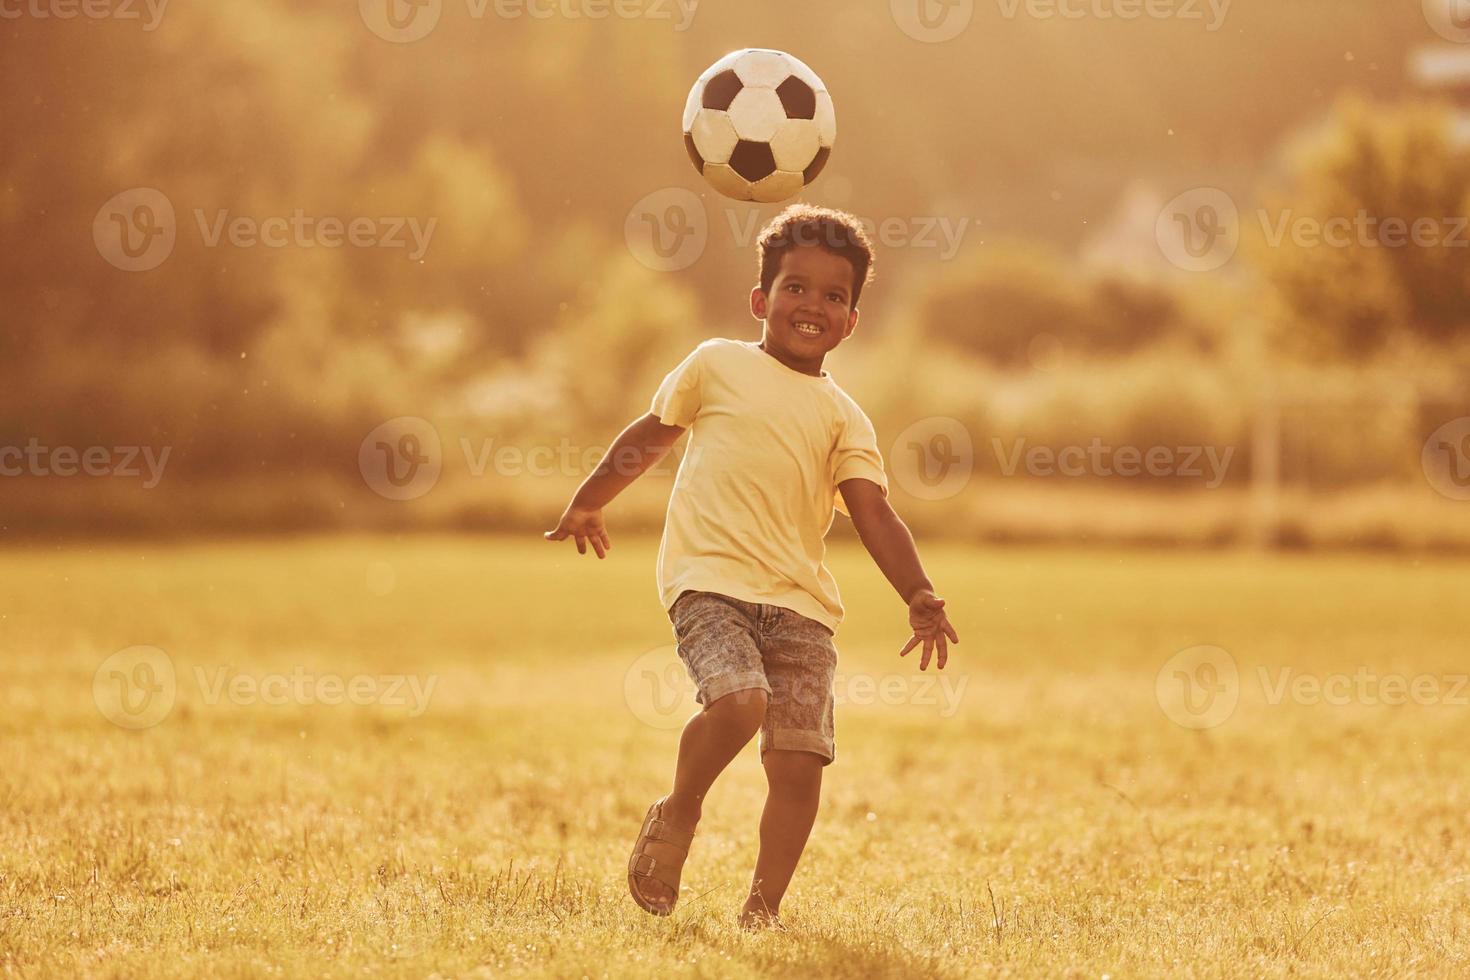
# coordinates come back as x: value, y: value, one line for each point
x: 1056, y: 824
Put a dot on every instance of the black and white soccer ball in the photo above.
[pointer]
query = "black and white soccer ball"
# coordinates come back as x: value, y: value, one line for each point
x: 759, y: 125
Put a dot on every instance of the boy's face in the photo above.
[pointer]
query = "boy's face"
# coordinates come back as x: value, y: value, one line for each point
x: 809, y: 310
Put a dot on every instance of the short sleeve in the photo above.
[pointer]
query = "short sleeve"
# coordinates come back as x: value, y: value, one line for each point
x: 678, y: 399
x: 856, y: 456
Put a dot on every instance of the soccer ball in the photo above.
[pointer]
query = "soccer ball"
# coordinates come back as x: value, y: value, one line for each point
x: 759, y: 125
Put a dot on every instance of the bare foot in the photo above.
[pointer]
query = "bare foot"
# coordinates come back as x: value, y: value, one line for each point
x: 680, y: 816
x: 756, y: 917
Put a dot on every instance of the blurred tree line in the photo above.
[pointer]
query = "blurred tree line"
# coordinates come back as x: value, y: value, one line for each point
x: 528, y: 140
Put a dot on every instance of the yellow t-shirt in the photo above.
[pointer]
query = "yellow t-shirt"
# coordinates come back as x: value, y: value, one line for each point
x: 754, y: 495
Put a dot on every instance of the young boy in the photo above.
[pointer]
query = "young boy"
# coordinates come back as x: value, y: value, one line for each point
x: 775, y: 446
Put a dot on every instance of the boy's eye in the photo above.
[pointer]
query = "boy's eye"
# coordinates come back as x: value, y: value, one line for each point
x: 793, y: 287
x: 835, y: 297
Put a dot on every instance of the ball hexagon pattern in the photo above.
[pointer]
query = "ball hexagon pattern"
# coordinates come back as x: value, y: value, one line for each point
x: 713, y: 135
x: 759, y: 125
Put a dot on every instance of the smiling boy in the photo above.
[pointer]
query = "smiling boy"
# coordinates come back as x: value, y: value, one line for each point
x: 775, y: 446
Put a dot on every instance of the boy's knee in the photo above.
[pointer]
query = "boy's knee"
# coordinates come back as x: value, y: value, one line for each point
x: 793, y: 768
x: 745, y: 711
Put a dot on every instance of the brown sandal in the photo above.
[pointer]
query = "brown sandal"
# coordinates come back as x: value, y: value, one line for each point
x: 642, y: 865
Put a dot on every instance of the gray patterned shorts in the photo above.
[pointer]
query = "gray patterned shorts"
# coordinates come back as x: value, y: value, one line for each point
x: 730, y: 645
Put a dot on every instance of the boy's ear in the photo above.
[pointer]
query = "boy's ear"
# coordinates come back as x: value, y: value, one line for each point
x: 758, y: 303
x: 852, y: 319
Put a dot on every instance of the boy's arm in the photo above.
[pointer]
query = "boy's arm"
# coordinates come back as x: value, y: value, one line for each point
x: 638, y: 447
x: 888, y: 540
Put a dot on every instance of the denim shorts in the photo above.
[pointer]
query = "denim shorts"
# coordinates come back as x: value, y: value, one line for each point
x: 730, y: 645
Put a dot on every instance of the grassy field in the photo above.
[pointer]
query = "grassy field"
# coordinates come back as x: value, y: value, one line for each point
x: 1042, y: 815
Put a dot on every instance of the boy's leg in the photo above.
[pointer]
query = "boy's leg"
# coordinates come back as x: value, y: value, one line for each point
x: 797, y: 741
x: 795, y: 789
x: 717, y: 643
x: 711, y: 740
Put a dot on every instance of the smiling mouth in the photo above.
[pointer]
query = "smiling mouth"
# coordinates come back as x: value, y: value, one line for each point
x: 806, y: 329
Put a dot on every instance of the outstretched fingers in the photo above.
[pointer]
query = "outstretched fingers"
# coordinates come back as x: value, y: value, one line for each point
x: 597, y: 538
x: 935, y: 646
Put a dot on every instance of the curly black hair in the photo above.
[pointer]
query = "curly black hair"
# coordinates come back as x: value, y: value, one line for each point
x: 803, y: 225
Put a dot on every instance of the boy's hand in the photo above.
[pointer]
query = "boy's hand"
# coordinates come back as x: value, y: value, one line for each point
x: 584, y: 524
x: 931, y: 626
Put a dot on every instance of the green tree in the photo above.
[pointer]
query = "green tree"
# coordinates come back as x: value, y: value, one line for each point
x: 1373, y: 171
x: 1015, y: 305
